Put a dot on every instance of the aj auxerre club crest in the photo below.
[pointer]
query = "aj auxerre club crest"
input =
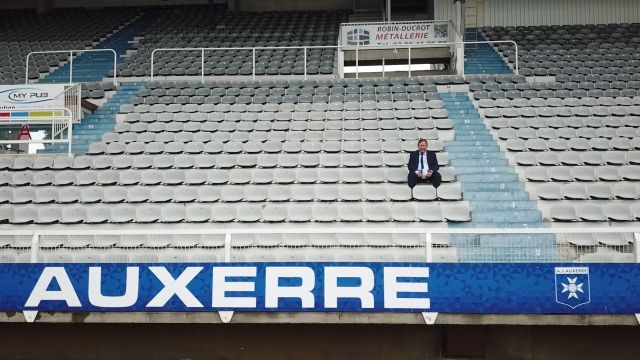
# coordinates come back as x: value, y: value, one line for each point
x: 572, y: 286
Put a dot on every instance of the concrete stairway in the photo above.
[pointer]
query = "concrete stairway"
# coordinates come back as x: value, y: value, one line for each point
x: 496, y: 196
x: 94, y: 66
x: 482, y: 58
x: 95, y: 125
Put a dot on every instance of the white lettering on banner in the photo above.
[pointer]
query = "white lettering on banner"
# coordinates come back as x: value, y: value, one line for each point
x: 129, y: 297
x: 363, y: 292
x: 226, y: 279
x: 273, y: 290
x: 221, y: 286
x: 392, y: 287
x: 66, y: 293
x: 176, y: 287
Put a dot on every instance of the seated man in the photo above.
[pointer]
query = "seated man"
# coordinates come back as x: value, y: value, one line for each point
x: 423, y: 166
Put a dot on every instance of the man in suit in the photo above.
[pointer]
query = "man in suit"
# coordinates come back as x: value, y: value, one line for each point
x: 423, y: 166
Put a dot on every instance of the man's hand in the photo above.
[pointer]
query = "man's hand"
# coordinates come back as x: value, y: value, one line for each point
x: 429, y: 173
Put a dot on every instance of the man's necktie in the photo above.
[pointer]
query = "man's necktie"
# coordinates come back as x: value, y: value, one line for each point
x: 421, y: 163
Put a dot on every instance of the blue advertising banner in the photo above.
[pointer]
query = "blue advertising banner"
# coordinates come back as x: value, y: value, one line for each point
x: 333, y: 287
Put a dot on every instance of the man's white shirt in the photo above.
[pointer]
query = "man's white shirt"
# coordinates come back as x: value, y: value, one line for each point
x: 422, y: 160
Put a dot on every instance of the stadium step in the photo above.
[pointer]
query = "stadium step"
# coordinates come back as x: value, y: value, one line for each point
x: 492, y: 187
x: 478, y: 162
x: 94, y: 66
x: 99, y: 123
x: 483, y: 59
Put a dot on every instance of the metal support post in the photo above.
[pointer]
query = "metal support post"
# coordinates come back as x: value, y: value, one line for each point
x: 202, y: 66
x: 253, y: 63
x: 636, y: 247
x: 356, y: 61
x: 227, y: 247
x: 409, y: 56
x: 428, y: 244
x: 70, y: 135
x: 305, y: 63
x: 71, y: 67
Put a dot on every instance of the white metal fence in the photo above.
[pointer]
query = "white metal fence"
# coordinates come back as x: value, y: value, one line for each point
x: 544, y: 245
x: 456, y: 53
x: 71, y: 53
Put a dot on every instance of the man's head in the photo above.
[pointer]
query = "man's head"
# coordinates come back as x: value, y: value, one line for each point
x: 422, y: 145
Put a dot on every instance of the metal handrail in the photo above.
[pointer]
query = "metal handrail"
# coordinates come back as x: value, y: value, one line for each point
x: 357, y: 48
x: 428, y: 232
x: 207, y: 230
x: 71, y: 52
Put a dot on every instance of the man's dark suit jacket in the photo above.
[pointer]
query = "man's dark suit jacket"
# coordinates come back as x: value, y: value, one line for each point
x: 432, y: 161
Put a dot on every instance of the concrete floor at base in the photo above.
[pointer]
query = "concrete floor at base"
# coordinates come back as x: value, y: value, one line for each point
x: 310, y: 342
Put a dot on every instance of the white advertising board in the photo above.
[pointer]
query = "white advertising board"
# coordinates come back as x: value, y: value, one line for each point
x: 36, y: 96
x: 395, y: 33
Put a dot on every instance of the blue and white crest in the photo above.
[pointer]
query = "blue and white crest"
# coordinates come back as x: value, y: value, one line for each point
x: 572, y: 286
x: 358, y: 37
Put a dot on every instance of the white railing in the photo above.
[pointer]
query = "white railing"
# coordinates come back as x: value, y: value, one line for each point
x: 557, y: 251
x: 61, y: 119
x: 71, y: 52
x: 457, y: 48
x: 72, y: 97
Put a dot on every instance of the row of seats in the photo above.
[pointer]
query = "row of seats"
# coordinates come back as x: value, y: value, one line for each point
x: 573, y: 81
x: 589, y: 211
x: 583, y: 173
x: 593, y: 158
x: 266, y: 90
x: 580, y: 191
x: 388, y: 130
x: 276, y: 99
x: 428, y: 81
x: 182, y: 161
x: 348, y: 150
x: 626, y: 122
x: 582, y: 111
x: 523, y: 102
x: 305, y: 142
x: 569, y: 70
x: 382, y: 114
x: 244, y: 212
x: 334, y: 129
x: 340, y: 106
x: 575, y: 144
x: 567, y: 133
x: 233, y: 106
x: 578, y: 61
x: 225, y: 193
x: 571, y: 91
x: 281, y: 99
x: 212, y: 176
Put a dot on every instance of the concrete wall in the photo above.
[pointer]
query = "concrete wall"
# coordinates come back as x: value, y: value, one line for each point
x: 314, y: 342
